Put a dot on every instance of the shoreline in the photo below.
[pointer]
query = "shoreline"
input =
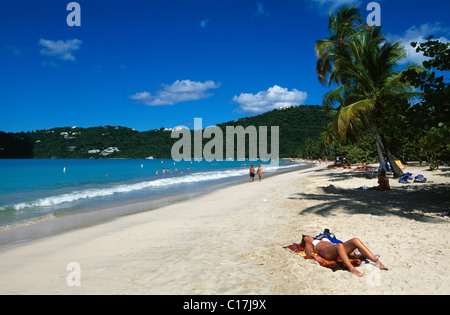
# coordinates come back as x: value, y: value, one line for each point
x: 230, y: 241
x: 50, y: 224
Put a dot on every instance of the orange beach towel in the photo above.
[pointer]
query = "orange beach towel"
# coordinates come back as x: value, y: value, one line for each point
x: 334, y: 265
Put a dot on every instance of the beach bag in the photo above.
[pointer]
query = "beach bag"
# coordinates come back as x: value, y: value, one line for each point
x: 406, y: 177
x: 420, y: 179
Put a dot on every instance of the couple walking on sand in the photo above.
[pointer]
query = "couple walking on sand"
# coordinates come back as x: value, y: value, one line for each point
x: 252, y: 173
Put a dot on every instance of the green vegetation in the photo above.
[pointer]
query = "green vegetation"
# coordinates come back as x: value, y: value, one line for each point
x: 427, y: 123
x: 373, y: 97
x: 296, y: 125
x: 93, y: 143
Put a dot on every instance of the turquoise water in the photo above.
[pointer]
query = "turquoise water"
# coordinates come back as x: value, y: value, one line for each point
x: 32, y: 189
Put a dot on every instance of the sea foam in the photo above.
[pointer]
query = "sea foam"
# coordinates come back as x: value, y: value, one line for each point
x: 127, y: 188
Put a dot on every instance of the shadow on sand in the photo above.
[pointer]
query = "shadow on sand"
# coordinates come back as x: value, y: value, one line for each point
x: 422, y: 202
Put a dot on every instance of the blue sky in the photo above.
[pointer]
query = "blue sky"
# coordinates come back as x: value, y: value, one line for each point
x: 162, y: 63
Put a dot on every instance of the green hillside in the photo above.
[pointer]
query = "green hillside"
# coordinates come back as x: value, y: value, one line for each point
x: 296, y: 124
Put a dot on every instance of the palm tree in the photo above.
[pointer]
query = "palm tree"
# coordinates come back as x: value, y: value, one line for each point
x: 328, y: 138
x: 370, y: 84
x: 341, y: 28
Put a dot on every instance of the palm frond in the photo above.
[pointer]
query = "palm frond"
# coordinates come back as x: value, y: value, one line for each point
x: 348, y: 113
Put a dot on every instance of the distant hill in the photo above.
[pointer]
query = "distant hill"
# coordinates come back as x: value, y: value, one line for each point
x: 296, y: 124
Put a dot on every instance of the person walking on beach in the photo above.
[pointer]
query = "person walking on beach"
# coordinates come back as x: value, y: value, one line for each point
x: 252, y: 173
x: 260, y: 172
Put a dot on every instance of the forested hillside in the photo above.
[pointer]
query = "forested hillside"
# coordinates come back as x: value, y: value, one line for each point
x: 296, y: 124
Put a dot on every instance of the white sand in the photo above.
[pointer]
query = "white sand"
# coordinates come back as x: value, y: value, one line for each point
x: 230, y: 242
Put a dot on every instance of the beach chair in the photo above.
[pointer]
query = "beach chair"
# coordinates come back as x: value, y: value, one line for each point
x: 399, y: 164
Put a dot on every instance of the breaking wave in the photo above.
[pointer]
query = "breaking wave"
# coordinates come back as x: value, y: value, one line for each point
x: 167, y: 182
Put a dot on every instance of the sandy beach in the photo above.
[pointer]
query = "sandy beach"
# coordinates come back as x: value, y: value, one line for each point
x: 231, y: 241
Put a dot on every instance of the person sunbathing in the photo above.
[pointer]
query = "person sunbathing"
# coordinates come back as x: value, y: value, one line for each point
x: 324, y: 249
x: 360, y: 168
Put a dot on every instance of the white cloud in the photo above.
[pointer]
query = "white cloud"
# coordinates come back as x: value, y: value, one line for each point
x: 260, y: 11
x: 274, y: 97
x: 204, y: 23
x: 419, y: 35
x: 179, y: 91
x: 61, y: 49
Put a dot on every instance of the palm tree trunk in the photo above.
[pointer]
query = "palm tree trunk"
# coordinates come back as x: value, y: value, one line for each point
x: 376, y: 138
x: 391, y: 158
